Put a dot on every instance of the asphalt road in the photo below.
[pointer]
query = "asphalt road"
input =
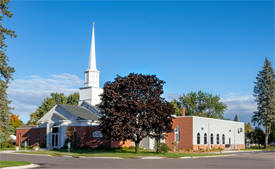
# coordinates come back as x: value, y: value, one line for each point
x: 238, y: 161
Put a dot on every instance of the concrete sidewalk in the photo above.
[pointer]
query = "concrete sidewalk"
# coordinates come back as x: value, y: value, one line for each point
x: 23, y: 166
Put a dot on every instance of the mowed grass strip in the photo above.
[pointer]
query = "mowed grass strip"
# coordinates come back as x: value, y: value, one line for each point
x: 4, y: 163
x: 123, y: 153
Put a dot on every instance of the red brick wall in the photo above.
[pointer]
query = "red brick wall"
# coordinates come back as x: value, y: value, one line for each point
x: 84, y: 134
x: 186, y: 133
x: 116, y: 144
x: 30, y: 134
x: 86, y: 139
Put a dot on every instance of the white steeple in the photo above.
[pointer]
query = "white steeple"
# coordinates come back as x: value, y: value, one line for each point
x: 92, y: 74
x: 92, y: 62
x: 91, y: 91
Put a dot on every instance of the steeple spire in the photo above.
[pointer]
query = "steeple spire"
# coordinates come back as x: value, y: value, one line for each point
x: 91, y: 91
x: 92, y: 61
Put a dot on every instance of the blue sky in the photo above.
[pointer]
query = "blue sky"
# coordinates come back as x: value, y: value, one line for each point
x: 217, y: 47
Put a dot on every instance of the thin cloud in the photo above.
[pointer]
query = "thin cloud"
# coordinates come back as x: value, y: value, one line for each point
x: 242, y: 105
x: 28, y: 93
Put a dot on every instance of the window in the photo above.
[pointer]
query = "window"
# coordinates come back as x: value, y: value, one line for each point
x: 212, y: 139
x: 198, y: 138
x: 177, y: 134
x: 223, y: 139
x: 55, y: 130
x: 205, y: 138
x: 97, y: 134
x: 86, y: 77
x: 28, y: 139
x: 218, y: 139
x: 38, y: 138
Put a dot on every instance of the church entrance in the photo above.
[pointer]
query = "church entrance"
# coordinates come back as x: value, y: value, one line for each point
x: 55, y: 134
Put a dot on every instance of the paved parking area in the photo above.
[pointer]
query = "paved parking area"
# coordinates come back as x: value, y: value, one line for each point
x: 259, y: 160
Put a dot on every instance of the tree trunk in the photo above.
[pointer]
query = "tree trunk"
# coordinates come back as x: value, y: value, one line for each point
x: 157, y: 144
x: 137, y: 147
x: 266, y: 137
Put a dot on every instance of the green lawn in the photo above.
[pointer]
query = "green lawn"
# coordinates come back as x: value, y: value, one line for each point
x: 270, y: 148
x: 12, y: 163
x: 7, y: 148
x: 10, y: 148
x: 124, y: 153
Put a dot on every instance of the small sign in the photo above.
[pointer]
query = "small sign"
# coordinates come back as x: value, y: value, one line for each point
x: 25, y: 144
x: 97, y: 134
x: 69, y: 146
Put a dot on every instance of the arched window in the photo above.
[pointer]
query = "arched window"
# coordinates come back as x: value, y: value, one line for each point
x: 198, y: 138
x: 205, y: 138
x: 212, y: 139
x: 223, y: 139
x: 177, y: 134
x: 218, y: 139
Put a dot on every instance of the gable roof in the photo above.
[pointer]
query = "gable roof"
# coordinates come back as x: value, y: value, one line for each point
x: 80, y: 112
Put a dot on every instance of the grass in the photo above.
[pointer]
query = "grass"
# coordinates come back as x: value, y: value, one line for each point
x: 7, y: 148
x: 11, y: 148
x: 12, y: 163
x: 269, y: 148
x: 123, y: 153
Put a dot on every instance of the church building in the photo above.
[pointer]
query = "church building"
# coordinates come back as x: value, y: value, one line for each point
x: 189, y: 132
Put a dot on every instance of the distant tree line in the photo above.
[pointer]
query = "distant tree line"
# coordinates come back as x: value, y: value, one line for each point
x: 257, y: 135
x: 200, y: 104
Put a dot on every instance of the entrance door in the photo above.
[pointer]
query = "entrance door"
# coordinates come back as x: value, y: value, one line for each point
x: 55, y: 140
x: 55, y: 137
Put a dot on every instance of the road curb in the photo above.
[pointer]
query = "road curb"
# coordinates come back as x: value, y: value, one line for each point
x: 23, y: 166
x: 100, y: 157
x: 152, y: 158
x: 229, y: 155
x: 34, y: 154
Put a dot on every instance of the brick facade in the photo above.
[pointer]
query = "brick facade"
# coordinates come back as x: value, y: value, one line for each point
x: 85, y: 138
x: 186, y: 133
x: 32, y: 135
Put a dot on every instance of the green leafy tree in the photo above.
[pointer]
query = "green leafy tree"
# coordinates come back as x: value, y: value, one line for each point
x: 236, y: 118
x: 6, y: 73
x: 259, y: 136
x: 272, y: 133
x: 264, y: 92
x: 73, y: 99
x: 176, y: 105
x: 129, y: 107
x: 47, y: 105
x: 203, y: 104
x: 249, y: 130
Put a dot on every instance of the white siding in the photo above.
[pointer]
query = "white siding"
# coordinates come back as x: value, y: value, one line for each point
x: 230, y: 129
x: 91, y: 95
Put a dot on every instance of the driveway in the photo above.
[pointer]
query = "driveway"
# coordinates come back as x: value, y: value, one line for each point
x: 259, y: 160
